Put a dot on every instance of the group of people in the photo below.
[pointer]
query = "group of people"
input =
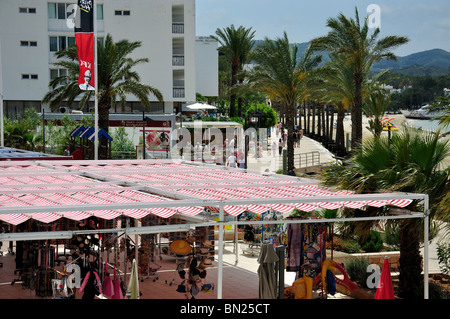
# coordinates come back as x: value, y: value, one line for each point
x: 282, y: 141
x: 236, y: 159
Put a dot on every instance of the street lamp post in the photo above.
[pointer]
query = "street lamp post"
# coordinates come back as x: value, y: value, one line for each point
x: 143, y: 134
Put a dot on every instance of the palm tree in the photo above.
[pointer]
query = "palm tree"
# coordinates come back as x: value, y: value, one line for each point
x: 21, y: 136
x: 116, y: 78
x: 236, y: 45
x: 283, y: 77
x: 376, y: 106
x: 361, y: 49
x: 408, y: 162
x: 334, y: 85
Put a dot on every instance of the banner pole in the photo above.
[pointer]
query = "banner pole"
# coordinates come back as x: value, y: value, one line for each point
x: 94, y: 7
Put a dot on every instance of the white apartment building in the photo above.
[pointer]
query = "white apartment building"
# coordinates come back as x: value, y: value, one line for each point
x: 31, y: 31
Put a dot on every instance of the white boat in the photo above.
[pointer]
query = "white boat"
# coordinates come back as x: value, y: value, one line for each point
x: 421, y: 114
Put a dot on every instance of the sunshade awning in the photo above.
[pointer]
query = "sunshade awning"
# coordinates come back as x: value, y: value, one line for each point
x: 200, y: 106
x: 49, y: 190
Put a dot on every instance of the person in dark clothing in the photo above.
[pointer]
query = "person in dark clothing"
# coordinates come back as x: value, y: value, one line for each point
x: 292, y: 172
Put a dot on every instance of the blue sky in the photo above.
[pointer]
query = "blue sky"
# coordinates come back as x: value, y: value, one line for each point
x: 425, y: 23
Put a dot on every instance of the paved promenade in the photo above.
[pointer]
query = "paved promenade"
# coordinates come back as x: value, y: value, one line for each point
x: 273, y: 162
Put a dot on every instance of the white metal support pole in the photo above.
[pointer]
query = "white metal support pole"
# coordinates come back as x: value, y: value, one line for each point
x: 220, y: 257
x: 236, y: 242
x: 425, y: 248
x: 2, y: 138
x: 96, y: 83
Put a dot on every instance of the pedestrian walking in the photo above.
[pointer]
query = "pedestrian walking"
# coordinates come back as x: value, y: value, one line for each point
x: 280, y: 147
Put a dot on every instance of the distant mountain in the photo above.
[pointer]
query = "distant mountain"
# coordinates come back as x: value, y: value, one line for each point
x: 431, y: 62
x: 436, y: 57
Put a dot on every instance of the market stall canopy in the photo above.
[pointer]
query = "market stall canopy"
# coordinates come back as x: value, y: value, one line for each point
x: 200, y: 106
x: 49, y: 190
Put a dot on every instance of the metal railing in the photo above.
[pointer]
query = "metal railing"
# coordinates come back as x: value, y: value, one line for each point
x: 301, y: 160
x: 178, y: 92
x: 307, y: 159
x: 177, y: 60
x: 178, y: 28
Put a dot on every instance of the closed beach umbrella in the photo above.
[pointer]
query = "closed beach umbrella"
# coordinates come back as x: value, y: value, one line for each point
x: 133, y: 285
x: 266, y: 272
x: 385, y: 289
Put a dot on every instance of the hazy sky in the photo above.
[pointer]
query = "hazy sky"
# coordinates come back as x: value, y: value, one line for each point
x: 425, y: 23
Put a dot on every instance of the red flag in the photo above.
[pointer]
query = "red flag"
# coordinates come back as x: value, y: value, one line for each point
x: 84, y: 39
x: 385, y: 289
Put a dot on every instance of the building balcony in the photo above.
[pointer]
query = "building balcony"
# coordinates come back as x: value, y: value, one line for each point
x: 178, y: 92
x: 178, y: 28
x: 178, y: 60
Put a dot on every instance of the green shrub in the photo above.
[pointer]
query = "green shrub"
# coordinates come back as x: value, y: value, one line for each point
x: 434, y: 291
x: 372, y: 242
x: 356, y: 269
x: 346, y: 246
x: 443, y: 252
x: 392, y: 236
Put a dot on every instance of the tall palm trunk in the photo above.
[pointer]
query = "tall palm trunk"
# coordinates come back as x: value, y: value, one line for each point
x: 340, y: 127
x: 319, y: 120
x: 240, y: 101
x: 357, y: 112
x: 305, y: 115
x: 234, y: 72
x: 331, y: 123
x: 327, y: 120
x: 290, y: 114
x: 313, y: 117
x: 410, y: 278
x: 324, y: 130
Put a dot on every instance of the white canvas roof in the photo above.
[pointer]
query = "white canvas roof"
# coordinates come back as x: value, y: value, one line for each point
x: 49, y: 190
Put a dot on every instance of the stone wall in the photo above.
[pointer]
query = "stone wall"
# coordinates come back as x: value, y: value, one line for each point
x: 372, y: 258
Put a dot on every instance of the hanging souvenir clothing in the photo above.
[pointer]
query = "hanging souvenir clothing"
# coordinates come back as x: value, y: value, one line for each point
x: 91, y: 285
x: 117, y: 286
x: 108, y: 289
x: 62, y: 288
x: 295, y: 247
x: 44, y: 278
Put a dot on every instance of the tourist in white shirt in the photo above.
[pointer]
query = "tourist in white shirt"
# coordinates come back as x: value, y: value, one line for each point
x: 232, y: 160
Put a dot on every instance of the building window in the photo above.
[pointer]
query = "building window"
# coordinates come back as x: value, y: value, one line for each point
x: 99, y: 11
x: 54, y: 73
x: 60, y: 43
x: 28, y: 43
x: 122, y: 12
x: 70, y: 41
x: 53, y: 44
x: 58, y: 11
x: 27, y: 10
x: 29, y: 76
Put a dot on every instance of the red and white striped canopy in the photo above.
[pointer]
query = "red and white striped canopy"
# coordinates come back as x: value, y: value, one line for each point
x: 118, y: 187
